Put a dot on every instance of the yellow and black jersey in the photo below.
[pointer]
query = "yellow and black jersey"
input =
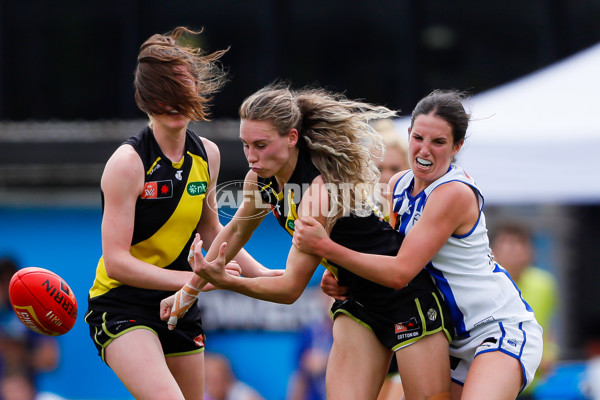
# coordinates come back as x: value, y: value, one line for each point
x: 368, y: 234
x: 167, y: 213
x: 284, y: 202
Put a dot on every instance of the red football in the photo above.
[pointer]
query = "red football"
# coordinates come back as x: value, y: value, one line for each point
x: 43, y: 301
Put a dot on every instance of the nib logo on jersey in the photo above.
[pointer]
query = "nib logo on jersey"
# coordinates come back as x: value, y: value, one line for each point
x: 158, y: 190
x: 407, y: 329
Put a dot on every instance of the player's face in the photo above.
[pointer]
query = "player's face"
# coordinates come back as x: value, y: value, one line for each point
x: 184, y: 75
x: 431, y: 147
x: 171, y: 119
x: 266, y: 150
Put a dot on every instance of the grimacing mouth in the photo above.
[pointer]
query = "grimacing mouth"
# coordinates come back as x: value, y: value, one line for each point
x: 424, y: 162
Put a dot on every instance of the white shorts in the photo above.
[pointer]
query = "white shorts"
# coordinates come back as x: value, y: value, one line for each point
x: 521, y: 340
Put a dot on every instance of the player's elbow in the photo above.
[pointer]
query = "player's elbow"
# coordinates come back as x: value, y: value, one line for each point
x: 397, y: 281
x: 114, y: 274
x: 112, y: 267
x: 290, y: 296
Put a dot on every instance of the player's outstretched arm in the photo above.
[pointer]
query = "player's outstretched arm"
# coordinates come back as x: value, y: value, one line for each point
x: 176, y: 306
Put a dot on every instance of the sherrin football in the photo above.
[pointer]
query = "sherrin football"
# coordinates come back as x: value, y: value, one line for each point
x: 43, y: 301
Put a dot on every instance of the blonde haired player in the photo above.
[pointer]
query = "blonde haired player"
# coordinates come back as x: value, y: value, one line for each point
x: 304, y: 147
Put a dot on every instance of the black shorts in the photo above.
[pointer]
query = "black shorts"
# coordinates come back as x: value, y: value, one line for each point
x: 186, y: 338
x: 402, y: 324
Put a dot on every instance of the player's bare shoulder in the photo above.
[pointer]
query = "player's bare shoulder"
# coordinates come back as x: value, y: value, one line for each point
x: 396, y: 177
x: 124, y: 158
x: 214, y: 157
x: 455, y: 192
x: 124, y: 167
x: 211, y: 147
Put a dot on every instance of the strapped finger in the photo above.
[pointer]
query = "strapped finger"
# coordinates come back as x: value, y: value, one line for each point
x: 181, y: 305
x: 172, y: 321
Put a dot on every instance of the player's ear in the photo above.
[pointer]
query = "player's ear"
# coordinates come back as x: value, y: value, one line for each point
x: 457, y: 147
x: 293, y: 137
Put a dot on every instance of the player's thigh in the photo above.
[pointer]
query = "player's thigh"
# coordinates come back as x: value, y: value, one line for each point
x: 425, y: 367
x: 493, y: 376
x: 137, y: 358
x: 188, y: 371
x: 357, y: 364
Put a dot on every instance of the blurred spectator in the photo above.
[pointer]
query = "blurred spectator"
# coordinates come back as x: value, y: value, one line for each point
x: 222, y: 384
x: 23, y: 353
x: 512, y: 246
x: 17, y: 386
x: 308, y: 381
x: 395, y: 157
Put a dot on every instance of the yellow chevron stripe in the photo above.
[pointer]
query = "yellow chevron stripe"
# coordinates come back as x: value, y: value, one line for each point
x: 162, y: 248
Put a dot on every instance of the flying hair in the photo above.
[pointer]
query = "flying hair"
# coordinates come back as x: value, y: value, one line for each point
x: 158, y: 83
x: 335, y: 131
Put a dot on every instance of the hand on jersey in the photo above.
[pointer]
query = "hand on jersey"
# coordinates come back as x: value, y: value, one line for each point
x: 309, y: 235
x: 330, y: 286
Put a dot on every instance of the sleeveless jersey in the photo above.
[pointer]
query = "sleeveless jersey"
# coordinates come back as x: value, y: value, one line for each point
x: 368, y: 234
x: 166, y: 216
x: 477, y: 289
